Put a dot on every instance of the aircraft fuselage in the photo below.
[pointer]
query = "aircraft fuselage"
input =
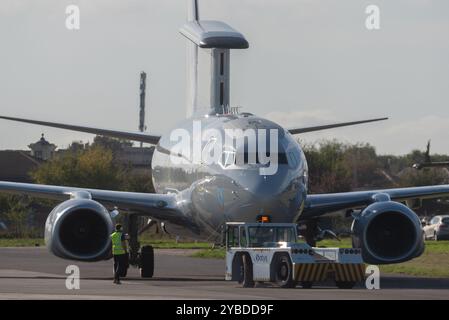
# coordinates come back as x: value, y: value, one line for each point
x: 214, y: 193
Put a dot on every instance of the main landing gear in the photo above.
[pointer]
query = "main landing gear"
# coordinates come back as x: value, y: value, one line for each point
x: 141, y: 257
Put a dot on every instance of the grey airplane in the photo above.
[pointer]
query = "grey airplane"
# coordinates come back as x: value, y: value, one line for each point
x: 428, y: 163
x: 199, y: 198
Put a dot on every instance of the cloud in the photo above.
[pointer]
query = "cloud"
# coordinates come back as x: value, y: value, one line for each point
x: 309, y: 117
x: 394, y: 136
x: 431, y: 125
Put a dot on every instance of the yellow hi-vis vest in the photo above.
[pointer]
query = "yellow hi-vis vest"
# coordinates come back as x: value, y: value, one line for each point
x: 117, y: 247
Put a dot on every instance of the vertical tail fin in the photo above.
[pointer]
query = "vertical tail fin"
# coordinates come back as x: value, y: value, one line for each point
x: 220, y: 38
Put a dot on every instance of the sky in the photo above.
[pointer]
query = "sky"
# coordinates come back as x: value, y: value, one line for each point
x: 310, y: 62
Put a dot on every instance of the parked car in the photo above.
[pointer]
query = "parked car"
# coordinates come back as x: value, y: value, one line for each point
x: 437, y: 228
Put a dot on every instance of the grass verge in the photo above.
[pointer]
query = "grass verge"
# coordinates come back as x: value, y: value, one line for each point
x: 156, y: 243
x: 172, y: 244
x: 25, y: 242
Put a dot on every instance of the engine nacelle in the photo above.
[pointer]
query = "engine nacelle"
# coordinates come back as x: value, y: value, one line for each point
x: 79, y: 229
x: 388, y: 232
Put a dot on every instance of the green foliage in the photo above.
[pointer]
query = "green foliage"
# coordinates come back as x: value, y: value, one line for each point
x: 172, y: 244
x: 424, y: 177
x: 138, y: 182
x: 14, y: 211
x: 340, y: 167
x: 22, y: 242
x: 115, y: 145
x: 90, y: 168
x: 217, y: 253
x: 94, y: 167
x: 327, y: 170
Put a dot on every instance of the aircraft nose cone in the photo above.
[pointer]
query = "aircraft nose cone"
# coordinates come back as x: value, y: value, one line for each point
x: 265, y: 186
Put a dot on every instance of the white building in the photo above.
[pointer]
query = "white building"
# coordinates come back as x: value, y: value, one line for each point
x: 42, y: 149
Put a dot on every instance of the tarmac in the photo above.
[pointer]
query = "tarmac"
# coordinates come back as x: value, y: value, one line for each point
x: 34, y: 273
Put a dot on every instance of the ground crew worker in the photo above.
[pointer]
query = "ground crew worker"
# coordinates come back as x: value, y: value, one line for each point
x: 119, y: 251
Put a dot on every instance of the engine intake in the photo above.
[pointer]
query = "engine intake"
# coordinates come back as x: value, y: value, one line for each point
x: 388, y: 232
x: 79, y: 229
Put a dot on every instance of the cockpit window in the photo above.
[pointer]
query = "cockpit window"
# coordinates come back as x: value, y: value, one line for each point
x: 231, y: 157
x: 292, y: 159
x: 251, y: 158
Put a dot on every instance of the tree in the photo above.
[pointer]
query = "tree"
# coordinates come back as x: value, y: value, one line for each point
x: 90, y: 168
x: 327, y: 169
x: 138, y: 182
x: 14, y: 211
x: 424, y: 177
x: 113, y: 144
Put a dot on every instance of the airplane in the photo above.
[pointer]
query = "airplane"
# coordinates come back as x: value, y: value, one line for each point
x: 428, y: 163
x: 199, y: 198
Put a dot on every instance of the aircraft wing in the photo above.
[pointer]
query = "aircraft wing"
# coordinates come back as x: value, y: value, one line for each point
x: 420, y: 166
x: 158, y: 206
x: 321, y: 204
x: 330, y: 126
x: 129, y: 135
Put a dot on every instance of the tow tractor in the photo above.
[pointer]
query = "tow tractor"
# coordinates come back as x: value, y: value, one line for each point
x: 272, y: 252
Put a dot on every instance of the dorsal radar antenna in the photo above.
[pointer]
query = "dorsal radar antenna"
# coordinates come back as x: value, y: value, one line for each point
x: 220, y: 38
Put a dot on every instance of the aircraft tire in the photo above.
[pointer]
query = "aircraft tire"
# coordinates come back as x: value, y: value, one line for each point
x: 147, y: 262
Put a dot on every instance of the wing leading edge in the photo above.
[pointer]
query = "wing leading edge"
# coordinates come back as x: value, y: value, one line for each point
x: 321, y: 204
x: 135, y: 136
x: 330, y: 126
x: 154, y: 139
x: 159, y: 206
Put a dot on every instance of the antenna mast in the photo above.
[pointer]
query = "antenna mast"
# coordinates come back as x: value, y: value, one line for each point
x: 143, y: 80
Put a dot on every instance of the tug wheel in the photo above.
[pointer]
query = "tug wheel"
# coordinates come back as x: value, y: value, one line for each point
x: 246, y: 276
x: 283, y: 272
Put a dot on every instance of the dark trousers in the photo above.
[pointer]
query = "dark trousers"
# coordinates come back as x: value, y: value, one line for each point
x: 119, y: 264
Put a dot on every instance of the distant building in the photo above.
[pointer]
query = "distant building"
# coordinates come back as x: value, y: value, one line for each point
x: 15, y: 166
x: 139, y: 159
x: 42, y: 149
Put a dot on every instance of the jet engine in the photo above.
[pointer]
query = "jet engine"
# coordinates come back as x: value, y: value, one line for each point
x: 79, y: 229
x: 388, y: 232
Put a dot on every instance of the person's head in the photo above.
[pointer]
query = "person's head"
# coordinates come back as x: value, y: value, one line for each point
x: 118, y: 227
